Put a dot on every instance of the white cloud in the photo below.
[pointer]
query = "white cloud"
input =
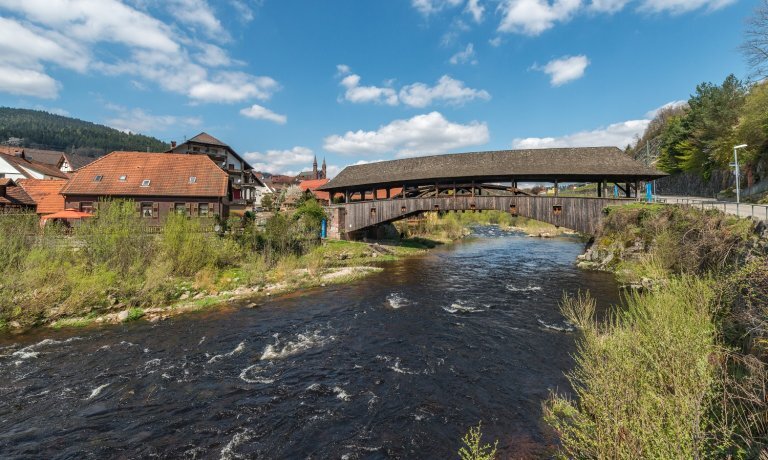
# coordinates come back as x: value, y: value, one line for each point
x: 233, y: 87
x: 495, y: 42
x: 669, y: 105
x: 532, y: 17
x: 617, y: 134
x: 564, y: 69
x: 475, y: 9
x: 607, y: 6
x: 244, y: 12
x: 289, y: 162
x: 421, y: 135
x: 27, y: 83
x: 446, y: 90
x: 465, y: 56
x: 683, y: 6
x: 72, y: 34
x: 360, y: 94
x: 199, y: 15
x: 428, y: 7
x: 140, y: 121
x: 262, y: 113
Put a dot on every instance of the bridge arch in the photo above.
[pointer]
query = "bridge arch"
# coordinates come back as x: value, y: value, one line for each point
x: 576, y: 213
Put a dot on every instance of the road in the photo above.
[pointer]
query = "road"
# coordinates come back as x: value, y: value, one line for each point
x: 758, y: 211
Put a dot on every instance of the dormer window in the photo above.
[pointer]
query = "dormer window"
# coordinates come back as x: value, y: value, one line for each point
x: 123, y: 178
x: 145, y: 183
x: 98, y: 178
x: 192, y: 179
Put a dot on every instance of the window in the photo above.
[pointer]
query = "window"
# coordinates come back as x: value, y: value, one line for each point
x: 86, y: 206
x: 203, y: 210
x: 231, y: 166
x: 123, y: 178
x: 146, y: 210
x: 180, y: 208
x: 98, y: 178
x: 145, y: 183
x: 2, y: 175
x: 195, y: 149
x: 192, y: 179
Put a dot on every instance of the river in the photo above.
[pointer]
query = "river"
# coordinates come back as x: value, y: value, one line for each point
x: 397, y: 365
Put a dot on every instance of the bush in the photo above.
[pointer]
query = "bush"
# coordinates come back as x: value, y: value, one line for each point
x: 473, y: 449
x: 643, y: 380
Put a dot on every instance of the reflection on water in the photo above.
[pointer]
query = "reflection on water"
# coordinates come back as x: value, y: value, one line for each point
x: 396, y: 365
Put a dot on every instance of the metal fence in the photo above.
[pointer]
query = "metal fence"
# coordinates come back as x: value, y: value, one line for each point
x: 745, y: 210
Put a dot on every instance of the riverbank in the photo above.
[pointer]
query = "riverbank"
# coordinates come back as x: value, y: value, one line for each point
x: 332, y: 262
x: 681, y: 372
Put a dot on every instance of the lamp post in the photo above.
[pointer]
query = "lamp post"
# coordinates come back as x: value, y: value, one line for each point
x: 737, y: 171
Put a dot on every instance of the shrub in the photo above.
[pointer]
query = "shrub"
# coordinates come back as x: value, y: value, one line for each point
x: 473, y: 449
x: 643, y: 380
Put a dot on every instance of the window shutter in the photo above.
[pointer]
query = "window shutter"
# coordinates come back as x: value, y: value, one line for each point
x: 212, y: 209
x: 193, y: 209
x: 189, y: 208
x: 155, y: 209
x: 138, y: 207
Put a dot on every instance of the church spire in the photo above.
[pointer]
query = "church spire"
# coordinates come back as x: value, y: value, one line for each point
x: 324, y: 170
x: 314, y: 167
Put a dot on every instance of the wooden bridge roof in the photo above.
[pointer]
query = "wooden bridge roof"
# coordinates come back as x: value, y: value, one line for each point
x: 562, y: 164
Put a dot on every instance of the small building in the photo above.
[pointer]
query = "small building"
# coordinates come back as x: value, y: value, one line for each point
x: 310, y: 186
x: 159, y: 184
x: 13, y: 198
x: 46, y: 194
x: 18, y: 166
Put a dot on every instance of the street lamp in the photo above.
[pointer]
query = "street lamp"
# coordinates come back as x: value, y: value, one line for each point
x: 737, y: 172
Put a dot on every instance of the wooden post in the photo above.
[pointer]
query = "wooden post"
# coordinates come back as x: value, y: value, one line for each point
x: 473, y: 189
x: 628, y: 191
x: 346, y: 195
x: 600, y: 188
x: 387, y: 192
x: 557, y: 188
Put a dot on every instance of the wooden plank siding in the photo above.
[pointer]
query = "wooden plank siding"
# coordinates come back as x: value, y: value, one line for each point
x: 582, y: 214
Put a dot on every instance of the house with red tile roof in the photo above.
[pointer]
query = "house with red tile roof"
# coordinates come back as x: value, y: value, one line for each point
x: 158, y: 183
x: 46, y: 194
x: 311, y: 186
x: 13, y: 198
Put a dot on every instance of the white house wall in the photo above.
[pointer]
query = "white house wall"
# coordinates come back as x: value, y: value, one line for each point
x: 9, y: 171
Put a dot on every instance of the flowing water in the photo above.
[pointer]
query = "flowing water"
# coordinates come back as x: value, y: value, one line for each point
x: 398, y: 365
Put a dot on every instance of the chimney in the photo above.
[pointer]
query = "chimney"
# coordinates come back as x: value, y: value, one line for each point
x: 173, y: 144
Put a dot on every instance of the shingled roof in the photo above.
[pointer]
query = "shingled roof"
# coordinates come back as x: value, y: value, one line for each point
x: 205, y: 138
x: 46, y: 194
x: 24, y: 166
x: 564, y: 164
x: 168, y: 175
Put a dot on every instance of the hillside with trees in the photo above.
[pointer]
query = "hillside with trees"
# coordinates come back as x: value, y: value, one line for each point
x: 698, y: 137
x: 43, y: 130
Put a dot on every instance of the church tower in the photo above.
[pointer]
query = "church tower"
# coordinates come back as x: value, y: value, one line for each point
x: 314, y: 167
x: 325, y: 170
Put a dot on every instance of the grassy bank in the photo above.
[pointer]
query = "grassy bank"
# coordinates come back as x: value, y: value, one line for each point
x: 681, y: 372
x: 113, y: 269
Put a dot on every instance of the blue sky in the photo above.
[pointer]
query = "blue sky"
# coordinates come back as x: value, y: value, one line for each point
x: 364, y: 80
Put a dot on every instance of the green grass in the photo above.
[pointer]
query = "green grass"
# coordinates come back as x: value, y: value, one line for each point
x: 134, y: 314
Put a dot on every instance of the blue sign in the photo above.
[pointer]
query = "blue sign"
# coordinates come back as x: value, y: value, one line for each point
x: 324, y: 229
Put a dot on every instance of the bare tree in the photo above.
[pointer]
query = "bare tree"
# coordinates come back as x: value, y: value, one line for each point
x: 755, y: 47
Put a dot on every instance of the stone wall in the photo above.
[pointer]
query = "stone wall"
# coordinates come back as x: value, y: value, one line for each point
x: 692, y: 184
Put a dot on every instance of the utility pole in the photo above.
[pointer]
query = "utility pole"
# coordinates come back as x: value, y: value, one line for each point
x: 737, y: 171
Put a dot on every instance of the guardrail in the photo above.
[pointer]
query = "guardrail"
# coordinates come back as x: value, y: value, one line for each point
x: 746, y: 210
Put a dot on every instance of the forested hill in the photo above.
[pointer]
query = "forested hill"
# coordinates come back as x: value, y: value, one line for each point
x: 43, y: 130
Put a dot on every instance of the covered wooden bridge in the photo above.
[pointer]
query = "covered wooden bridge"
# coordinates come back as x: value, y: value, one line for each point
x: 369, y: 195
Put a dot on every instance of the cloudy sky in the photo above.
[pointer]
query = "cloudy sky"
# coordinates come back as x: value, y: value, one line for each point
x: 357, y: 81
